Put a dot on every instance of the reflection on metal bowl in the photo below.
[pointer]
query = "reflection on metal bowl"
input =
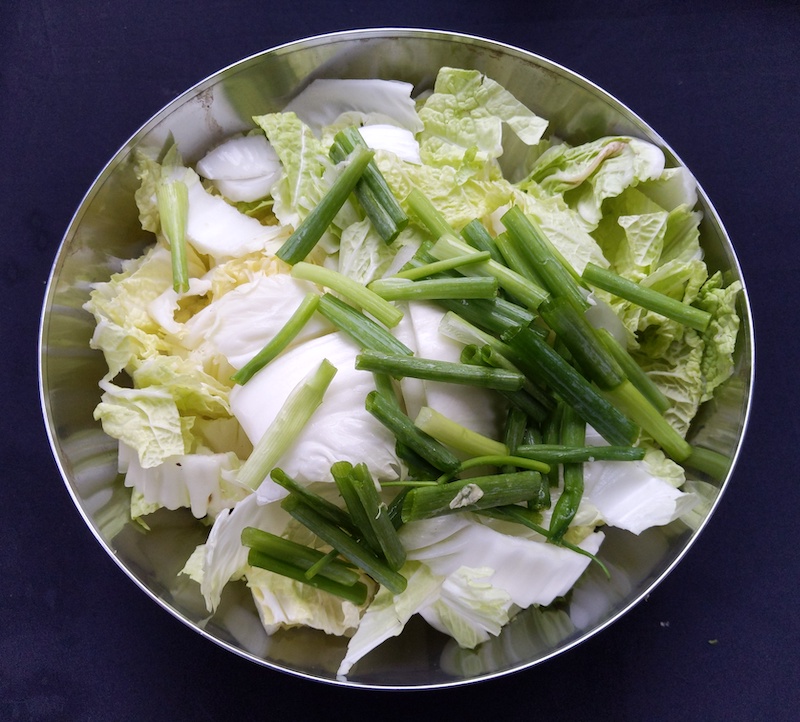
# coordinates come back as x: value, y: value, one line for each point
x: 105, y: 230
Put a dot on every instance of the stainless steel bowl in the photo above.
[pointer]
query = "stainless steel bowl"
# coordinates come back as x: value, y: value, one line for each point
x: 105, y: 230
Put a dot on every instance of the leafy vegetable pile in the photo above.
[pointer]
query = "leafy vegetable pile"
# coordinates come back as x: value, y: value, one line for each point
x: 409, y: 356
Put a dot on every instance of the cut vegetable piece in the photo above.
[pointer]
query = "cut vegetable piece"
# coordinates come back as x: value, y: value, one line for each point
x: 531, y: 571
x: 407, y: 433
x: 538, y: 360
x: 441, y: 371
x: 287, y: 425
x: 314, y: 225
x: 457, y: 436
x: 242, y: 321
x: 349, y: 548
x: 173, y: 210
x: 340, y: 429
x: 648, y: 298
x: 360, y: 295
x: 472, y: 494
x: 280, y: 340
x: 363, y: 330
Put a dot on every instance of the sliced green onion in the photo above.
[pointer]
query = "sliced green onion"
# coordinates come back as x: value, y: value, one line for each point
x: 313, y: 226
x: 528, y: 399
x: 372, y: 190
x: 342, y: 472
x: 636, y: 375
x: 367, y: 333
x: 455, y: 435
x: 710, y: 462
x: 448, y: 246
x: 297, y: 554
x: 568, y: 454
x: 289, y: 422
x: 408, y: 434
x: 172, y: 199
x: 280, y: 340
x: 514, y: 434
x: 495, y: 316
x: 575, y: 332
x: 647, y: 298
x: 418, y: 467
x: 538, y: 360
x: 320, y: 504
x: 498, y: 460
x: 355, y: 593
x: 630, y: 401
x: 548, y: 265
x: 444, y: 371
x: 515, y: 260
x: 477, y: 236
x: 573, y: 433
x: 348, y: 547
x: 378, y: 517
x: 400, y: 289
x: 431, y: 269
x: 359, y: 294
x: 472, y: 494
x: 427, y: 214
x: 499, y: 354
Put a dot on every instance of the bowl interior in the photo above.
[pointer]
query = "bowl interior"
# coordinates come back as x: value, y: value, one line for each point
x: 105, y: 230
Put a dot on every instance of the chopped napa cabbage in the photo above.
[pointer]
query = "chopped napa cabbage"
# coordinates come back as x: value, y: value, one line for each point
x: 283, y: 603
x: 399, y: 141
x: 222, y: 435
x: 226, y: 276
x: 706, y: 494
x: 677, y: 374
x: 307, y: 171
x: 467, y: 110
x: 674, y: 187
x: 638, y: 237
x: 141, y: 508
x: 469, y: 608
x: 125, y: 330
x: 387, y: 614
x: 365, y: 256
x: 588, y: 174
x: 479, y: 410
x: 239, y: 323
x: 563, y: 227
x: 214, y: 227
x: 193, y: 568
x: 195, y: 392
x: 628, y: 496
x: 460, y: 192
x: 147, y: 420
x: 720, y: 337
x: 243, y: 168
x: 530, y: 570
x: 150, y: 173
x: 368, y: 100
x: 691, y: 366
x: 193, y: 481
x: 653, y: 332
x: 341, y: 429
x: 219, y: 230
x: 225, y: 558
x: 170, y: 304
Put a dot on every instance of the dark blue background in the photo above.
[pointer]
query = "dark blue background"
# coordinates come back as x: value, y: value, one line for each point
x: 718, y: 80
